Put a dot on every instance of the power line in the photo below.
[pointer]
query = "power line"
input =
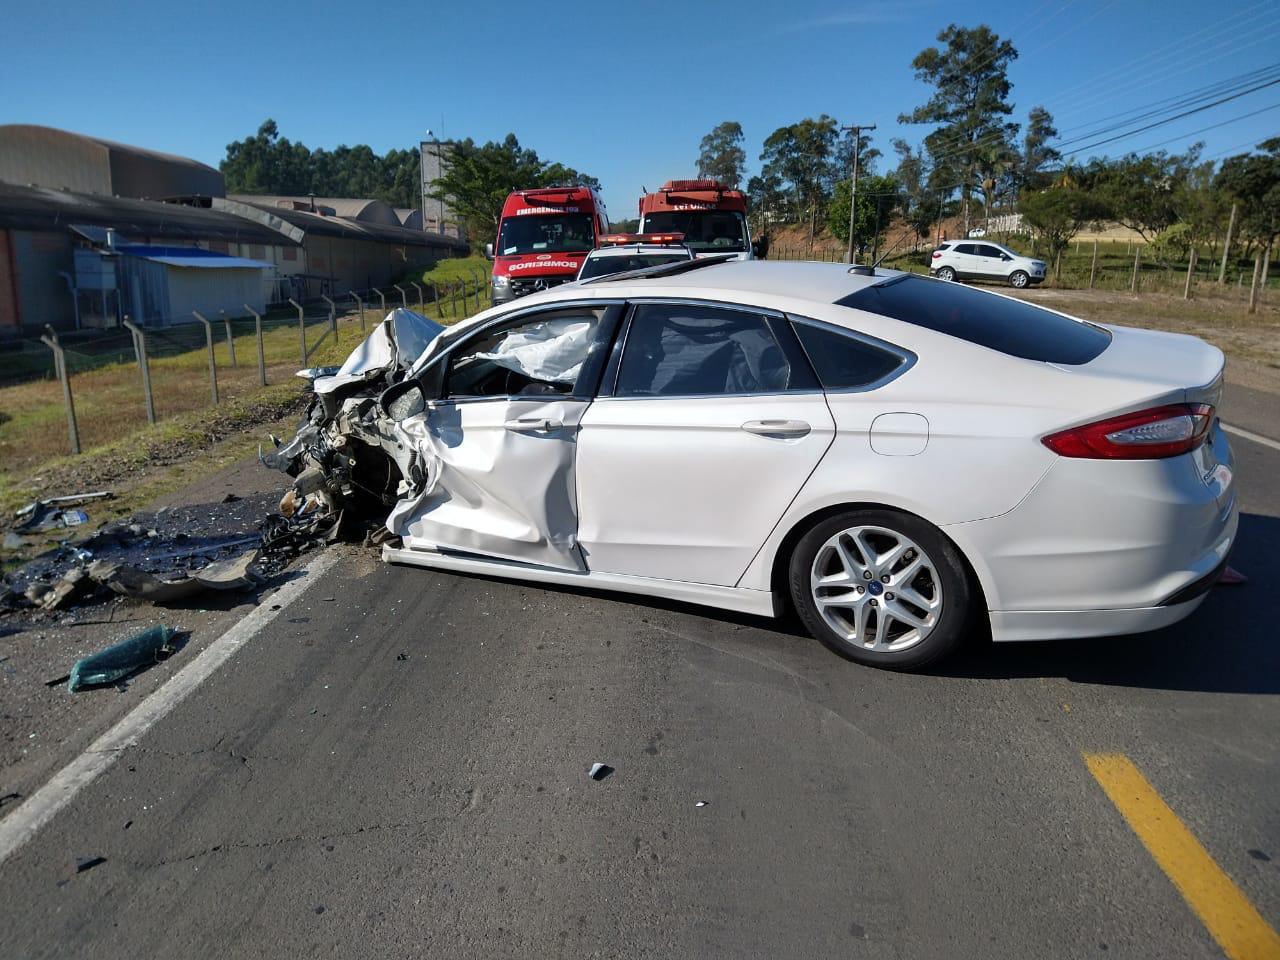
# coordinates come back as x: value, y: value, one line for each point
x: 1161, y: 123
x: 1212, y: 126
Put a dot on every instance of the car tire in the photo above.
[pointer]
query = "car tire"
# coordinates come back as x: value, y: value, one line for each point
x: 946, y: 273
x: 1019, y: 279
x: 884, y: 640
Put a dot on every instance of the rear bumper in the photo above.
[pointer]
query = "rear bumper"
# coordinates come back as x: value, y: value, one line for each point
x: 1078, y: 624
x: 1106, y: 547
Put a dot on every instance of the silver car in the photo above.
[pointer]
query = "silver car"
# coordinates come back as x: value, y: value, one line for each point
x: 970, y: 260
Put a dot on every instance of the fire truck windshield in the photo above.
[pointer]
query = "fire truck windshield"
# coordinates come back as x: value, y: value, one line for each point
x: 705, y: 231
x: 546, y: 233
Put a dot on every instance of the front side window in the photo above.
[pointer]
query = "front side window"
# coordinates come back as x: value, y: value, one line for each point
x: 539, y: 357
x: 705, y: 231
x: 546, y: 233
x: 695, y: 350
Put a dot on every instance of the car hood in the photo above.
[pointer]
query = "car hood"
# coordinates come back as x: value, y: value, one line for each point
x: 395, y: 343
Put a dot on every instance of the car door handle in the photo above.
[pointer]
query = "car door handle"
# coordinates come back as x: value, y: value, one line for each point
x: 777, y: 429
x: 533, y: 425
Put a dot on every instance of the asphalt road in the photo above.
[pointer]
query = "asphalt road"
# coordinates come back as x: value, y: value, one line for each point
x: 397, y: 766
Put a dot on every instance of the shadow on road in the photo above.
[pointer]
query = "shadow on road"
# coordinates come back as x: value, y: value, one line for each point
x: 1229, y: 645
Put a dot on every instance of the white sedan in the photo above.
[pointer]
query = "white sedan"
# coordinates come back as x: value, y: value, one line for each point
x: 901, y: 459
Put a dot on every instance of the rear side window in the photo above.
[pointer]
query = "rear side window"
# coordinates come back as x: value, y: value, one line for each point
x: 969, y: 248
x: 844, y: 362
x: 999, y: 323
x: 692, y: 350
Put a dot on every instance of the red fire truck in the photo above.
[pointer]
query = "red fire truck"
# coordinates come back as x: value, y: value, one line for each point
x: 543, y: 237
x: 712, y: 217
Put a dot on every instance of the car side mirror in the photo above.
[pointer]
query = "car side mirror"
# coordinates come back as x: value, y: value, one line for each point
x: 1005, y: 257
x: 408, y: 398
x: 488, y: 251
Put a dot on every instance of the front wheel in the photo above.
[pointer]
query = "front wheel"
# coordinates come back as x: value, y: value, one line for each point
x: 946, y: 273
x: 1019, y: 279
x: 881, y: 588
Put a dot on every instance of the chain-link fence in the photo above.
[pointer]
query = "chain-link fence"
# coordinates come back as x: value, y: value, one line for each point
x: 74, y: 390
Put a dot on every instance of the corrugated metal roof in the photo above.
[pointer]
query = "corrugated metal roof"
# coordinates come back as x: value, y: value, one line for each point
x: 337, y: 226
x: 40, y: 208
x: 191, y: 257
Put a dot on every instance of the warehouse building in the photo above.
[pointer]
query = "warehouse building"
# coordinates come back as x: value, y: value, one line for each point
x: 56, y: 265
x: 45, y: 157
x: 72, y: 206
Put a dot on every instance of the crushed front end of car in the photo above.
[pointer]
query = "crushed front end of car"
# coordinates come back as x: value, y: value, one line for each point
x: 349, y: 463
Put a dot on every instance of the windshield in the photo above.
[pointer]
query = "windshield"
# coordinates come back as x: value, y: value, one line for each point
x: 603, y: 266
x: 714, y: 231
x: 546, y: 233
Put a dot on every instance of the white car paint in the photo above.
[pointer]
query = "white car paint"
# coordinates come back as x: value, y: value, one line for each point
x: 673, y: 497
x: 981, y: 259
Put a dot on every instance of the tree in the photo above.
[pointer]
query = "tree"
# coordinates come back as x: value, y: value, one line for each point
x: 878, y: 199
x: 800, y: 156
x: 477, y: 179
x: 1058, y: 212
x: 767, y: 200
x: 1140, y: 190
x: 1037, y: 155
x: 867, y: 156
x: 720, y: 155
x: 1253, y: 180
x: 918, y: 206
x: 970, y: 101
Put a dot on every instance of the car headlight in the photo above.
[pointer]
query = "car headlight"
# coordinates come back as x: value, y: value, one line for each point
x: 501, y: 282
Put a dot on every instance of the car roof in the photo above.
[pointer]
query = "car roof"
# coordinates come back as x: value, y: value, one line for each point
x: 730, y: 281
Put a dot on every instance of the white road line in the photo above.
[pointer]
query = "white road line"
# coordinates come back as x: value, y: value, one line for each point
x: 23, y: 823
x: 1250, y: 435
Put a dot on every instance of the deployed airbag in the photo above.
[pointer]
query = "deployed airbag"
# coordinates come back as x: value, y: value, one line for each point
x: 552, y: 351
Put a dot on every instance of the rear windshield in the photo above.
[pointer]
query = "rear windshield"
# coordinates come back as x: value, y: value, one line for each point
x: 998, y: 323
x: 603, y: 266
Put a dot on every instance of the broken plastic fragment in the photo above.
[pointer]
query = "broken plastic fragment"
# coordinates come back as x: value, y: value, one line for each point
x: 703, y: 803
x: 231, y: 574
x: 88, y: 863
x: 600, y: 770
x: 141, y: 585
x: 122, y: 659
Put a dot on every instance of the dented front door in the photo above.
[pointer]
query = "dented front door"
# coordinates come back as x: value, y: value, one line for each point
x: 500, y: 446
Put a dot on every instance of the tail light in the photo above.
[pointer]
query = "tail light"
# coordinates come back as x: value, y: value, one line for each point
x: 937, y: 254
x: 1153, y: 434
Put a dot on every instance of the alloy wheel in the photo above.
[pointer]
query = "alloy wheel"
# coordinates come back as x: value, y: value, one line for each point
x: 876, y: 588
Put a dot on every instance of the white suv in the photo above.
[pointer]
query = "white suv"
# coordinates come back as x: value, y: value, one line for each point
x: 967, y: 260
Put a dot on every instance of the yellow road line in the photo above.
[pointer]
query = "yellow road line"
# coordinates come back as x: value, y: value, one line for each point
x: 1224, y: 910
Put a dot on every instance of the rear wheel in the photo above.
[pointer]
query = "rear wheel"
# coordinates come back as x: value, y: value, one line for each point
x: 946, y: 273
x: 1019, y: 279
x: 881, y: 588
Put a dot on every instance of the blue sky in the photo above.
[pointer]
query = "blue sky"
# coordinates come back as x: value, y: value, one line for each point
x: 623, y: 91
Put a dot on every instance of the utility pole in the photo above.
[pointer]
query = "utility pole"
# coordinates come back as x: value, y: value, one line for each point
x: 856, y: 130
x: 1226, y: 247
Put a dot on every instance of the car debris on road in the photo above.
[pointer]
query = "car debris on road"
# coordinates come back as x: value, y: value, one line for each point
x: 121, y: 660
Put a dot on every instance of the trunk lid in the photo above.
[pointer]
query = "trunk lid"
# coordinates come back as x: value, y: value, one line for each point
x: 1142, y: 366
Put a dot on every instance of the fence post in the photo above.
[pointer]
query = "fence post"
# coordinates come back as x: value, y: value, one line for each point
x: 213, y: 366
x: 435, y: 300
x: 60, y: 365
x: 1226, y: 247
x: 302, y: 331
x: 257, y: 335
x: 1133, y: 284
x: 360, y: 302
x: 404, y: 296
x: 140, y: 339
x: 333, y: 316
x: 383, y: 297
x: 231, y: 340
x: 421, y: 305
x: 1093, y: 267
x: 1191, y: 268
